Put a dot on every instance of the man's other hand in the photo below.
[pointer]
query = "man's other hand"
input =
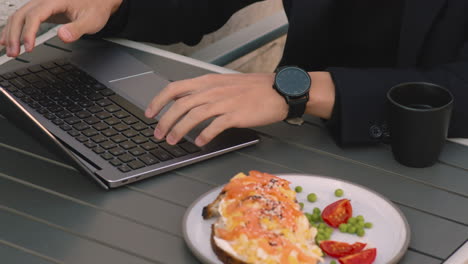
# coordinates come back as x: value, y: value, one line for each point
x: 79, y: 16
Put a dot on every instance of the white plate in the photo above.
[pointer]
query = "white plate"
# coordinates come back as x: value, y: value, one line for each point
x: 390, y: 233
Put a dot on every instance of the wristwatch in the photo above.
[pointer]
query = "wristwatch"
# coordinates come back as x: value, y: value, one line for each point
x: 293, y: 83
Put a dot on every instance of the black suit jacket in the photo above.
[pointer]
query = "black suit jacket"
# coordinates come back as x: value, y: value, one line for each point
x: 433, y: 47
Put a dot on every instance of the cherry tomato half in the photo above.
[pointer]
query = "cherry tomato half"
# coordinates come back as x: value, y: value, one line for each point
x: 364, y: 257
x: 337, y: 213
x: 338, y: 249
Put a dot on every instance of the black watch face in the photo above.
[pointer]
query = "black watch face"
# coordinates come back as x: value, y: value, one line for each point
x: 292, y: 81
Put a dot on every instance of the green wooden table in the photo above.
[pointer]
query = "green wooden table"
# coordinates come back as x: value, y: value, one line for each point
x: 50, y: 213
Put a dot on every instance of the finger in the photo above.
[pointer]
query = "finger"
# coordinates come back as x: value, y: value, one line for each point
x: 192, y: 119
x: 86, y: 23
x: 31, y: 26
x: 14, y: 29
x: 169, y: 93
x: 182, y: 88
x: 218, y: 125
x: 2, y: 37
x: 176, y: 111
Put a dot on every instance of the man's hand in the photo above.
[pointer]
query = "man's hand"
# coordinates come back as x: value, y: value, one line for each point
x: 79, y: 16
x: 234, y: 100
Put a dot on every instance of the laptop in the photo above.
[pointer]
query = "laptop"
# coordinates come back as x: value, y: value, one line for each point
x: 89, y: 109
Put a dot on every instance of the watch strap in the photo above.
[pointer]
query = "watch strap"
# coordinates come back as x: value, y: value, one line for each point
x: 297, y: 107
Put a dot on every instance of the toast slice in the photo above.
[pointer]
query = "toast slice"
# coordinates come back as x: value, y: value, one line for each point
x: 260, y: 221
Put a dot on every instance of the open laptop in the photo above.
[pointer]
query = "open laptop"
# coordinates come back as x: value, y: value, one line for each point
x: 89, y: 110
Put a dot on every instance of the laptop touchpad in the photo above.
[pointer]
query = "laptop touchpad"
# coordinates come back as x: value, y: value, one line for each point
x: 140, y: 89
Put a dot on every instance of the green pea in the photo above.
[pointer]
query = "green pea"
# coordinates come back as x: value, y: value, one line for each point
x: 333, y: 262
x: 309, y: 216
x: 360, y: 232
x: 301, y: 205
x: 298, y: 189
x: 368, y: 225
x: 315, y: 217
x: 352, y: 220
x: 312, y: 197
x: 316, y: 210
x: 351, y: 229
x: 360, y: 222
x: 319, y: 238
x: 360, y: 218
x: 322, y: 225
x: 343, y: 228
x: 339, y: 192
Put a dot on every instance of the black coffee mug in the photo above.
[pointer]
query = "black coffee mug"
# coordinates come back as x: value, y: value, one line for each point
x: 419, y: 117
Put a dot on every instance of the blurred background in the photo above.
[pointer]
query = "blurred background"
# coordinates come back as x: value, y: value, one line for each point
x: 263, y: 59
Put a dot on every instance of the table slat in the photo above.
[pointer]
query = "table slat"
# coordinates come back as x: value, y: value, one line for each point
x: 95, y: 224
x: 59, y: 245
x: 122, y: 201
x: 12, y: 255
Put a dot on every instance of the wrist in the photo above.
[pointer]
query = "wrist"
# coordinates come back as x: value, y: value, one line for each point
x: 321, y: 95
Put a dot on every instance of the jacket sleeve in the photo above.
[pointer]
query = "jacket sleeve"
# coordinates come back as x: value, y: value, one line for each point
x: 170, y: 21
x: 362, y: 97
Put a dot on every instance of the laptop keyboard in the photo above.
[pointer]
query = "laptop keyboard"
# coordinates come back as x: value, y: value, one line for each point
x: 93, y: 114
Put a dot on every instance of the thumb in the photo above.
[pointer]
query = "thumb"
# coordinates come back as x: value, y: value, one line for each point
x: 74, y: 30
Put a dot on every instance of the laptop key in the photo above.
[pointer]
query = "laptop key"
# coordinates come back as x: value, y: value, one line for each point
x: 139, y: 126
x: 107, y: 92
x: 133, y: 109
x: 109, y: 132
x: 19, y: 94
x: 174, y: 150
x: 115, y: 162
x: 99, y: 150
x: 136, y: 164
x: 130, y: 133
x: 121, y: 114
x: 107, y: 144
x: 189, y: 147
x: 112, y: 121
x: 127, y: 145
x: 124, y: 168
x: 74, y: 133
x: 83, y: 114
x: 101, y: 126
x: 161, y: 154
x: 148, y: 159
x: 90, y: 132
x: 139, y: 139
x: 75, y: 108
x: 95, y: 96
x: 57, y: 122
x: 43, y: 111
x: 8, y: 75
x: 90, y: 144
x: 35, y: 68
x: 147, y: 132
x: 149, y: 145
x: 95, y: 109
x: 81, y: 126
x: 121, y: 127
x: 22, y: 72
x: 82, y: 138
x: 99, y: 138
x: 104, y: 102
x: 112, y: 108
x: 130, y: 120
x: 117, y: 151
x: 85, y: 103
x: 118, y: 138
x: 66, y: 127
x: 137, y: 151
x: 63, y: 114
x: 50, y: 116
x: 126, y: 157
x: 92, y: 120
x: 103, y: 115
x: 107, y: 156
